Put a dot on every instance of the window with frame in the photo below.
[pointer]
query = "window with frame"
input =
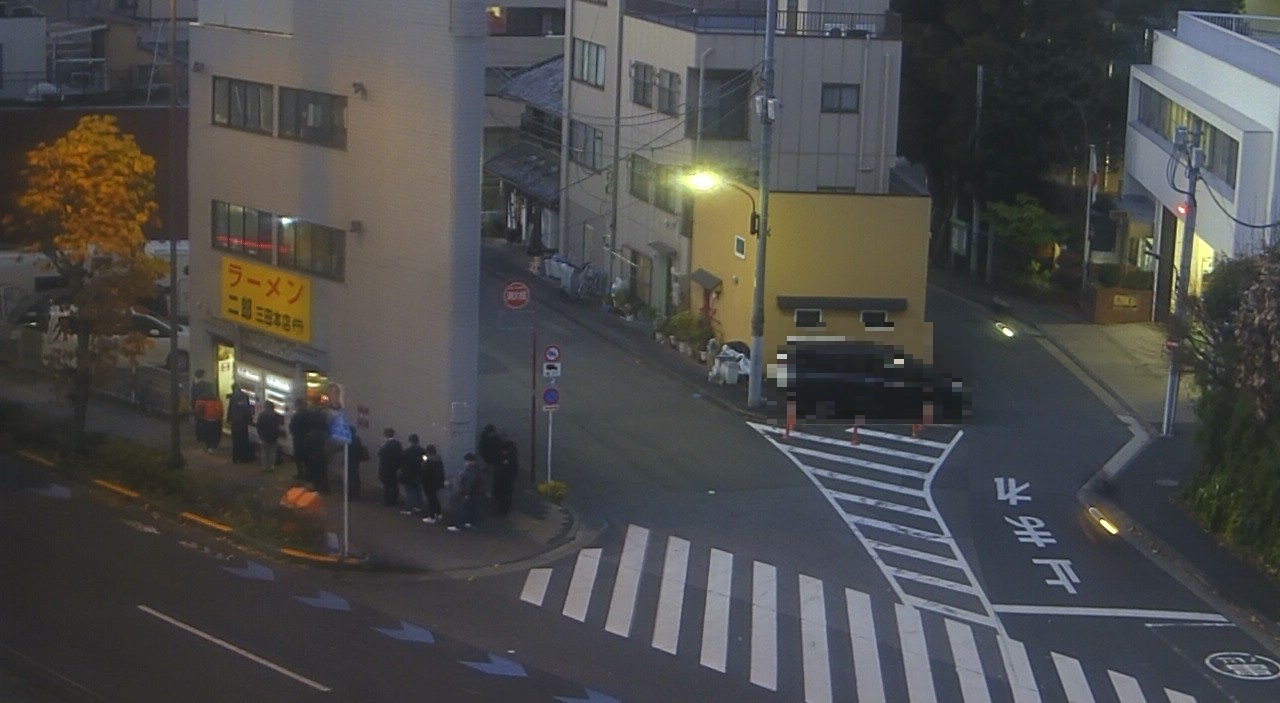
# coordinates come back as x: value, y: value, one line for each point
x: 841, y: 97
x: 524, y: 21
x: 739, y: 246
x: 642, y: 77
x: 641, y: 178
x: 243, y: 230
x: 586, y: 145
x: 1164, y: 116
x: 313, y: 248
x: 588, y: 63
x: 809, y: 318
x: 666, y: 189
x: 316, y: 118
x: 723, y: 100
x: 668, y: 92
x: 876, y: 320
x: 242, y: 104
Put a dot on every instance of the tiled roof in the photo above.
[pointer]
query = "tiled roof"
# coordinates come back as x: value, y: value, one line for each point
x: 541, y: 86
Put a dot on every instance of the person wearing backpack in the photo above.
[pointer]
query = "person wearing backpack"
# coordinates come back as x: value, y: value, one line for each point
x: 389, y: 468
x: 270, y: 426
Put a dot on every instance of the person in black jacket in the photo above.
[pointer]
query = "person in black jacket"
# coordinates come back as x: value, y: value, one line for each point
x: 299, y: 427
x: 432, y: 482
x: 389, y: 467
x: 270, y: 426
x: 357, y: 454
x: 411, y: 461
x: 240, y: 417
x: 504, y: 476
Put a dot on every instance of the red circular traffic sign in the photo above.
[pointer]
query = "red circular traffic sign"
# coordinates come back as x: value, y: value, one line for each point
x: 515, y: 295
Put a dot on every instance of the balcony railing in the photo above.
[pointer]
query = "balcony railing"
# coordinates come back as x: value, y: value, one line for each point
x: 754, y: 21
x: 1262, y: 29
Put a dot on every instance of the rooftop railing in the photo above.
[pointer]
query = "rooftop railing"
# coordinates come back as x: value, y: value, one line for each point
x: 746, y: 19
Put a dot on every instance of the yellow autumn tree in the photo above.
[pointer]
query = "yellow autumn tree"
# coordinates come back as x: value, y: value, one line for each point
x: 84, y: 205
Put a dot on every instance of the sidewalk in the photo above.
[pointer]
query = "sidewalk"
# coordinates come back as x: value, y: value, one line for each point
x: 379, y: 535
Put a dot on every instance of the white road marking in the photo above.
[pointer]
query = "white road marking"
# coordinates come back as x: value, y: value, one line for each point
x: 866, y: 655
x: 1177, y: 697
x: 941, y: 560
x: 626, y: 586
x: 813, y: 639
x: 232, y: 648
x: 535, y: 586
x: 715, y: 618
x: 931, y: 580
x: 1110, y: 612
x: 868, y: 482
x: 584, y: 579
x: 898, y: 529
x: 880, y: 504
x: 863, y: 463
x: 915, y: 655
x: 1018, y: 666
x: 764, y: 625
x: 964, y: 650
x: 666, y: 626
x: 1127, y: 688
x: 1074, y: 684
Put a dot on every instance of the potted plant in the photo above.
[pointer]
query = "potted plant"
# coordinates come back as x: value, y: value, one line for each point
x: 683, y: 326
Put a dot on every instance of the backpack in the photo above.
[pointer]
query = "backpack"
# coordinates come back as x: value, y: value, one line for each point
x: 212, y: 410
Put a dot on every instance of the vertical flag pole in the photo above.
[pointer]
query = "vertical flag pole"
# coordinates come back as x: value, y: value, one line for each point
x: 1088, y: 215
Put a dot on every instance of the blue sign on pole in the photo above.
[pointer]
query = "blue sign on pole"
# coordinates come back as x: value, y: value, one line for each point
x: 339, y: 429
x: 551, y: 396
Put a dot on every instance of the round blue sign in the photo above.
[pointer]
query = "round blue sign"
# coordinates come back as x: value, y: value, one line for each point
x: 551, y: 396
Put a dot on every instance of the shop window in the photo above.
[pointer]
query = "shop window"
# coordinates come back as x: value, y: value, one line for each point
x: 809, y: 318
x: 243, y: 230
x: 242, y: 104
x: 312, y: 248
x: 316, y: 118
x: 876, y: 321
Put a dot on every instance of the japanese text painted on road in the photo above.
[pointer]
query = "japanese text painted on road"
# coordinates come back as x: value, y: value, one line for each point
x: 1029, y: 529
x: 267, y: 299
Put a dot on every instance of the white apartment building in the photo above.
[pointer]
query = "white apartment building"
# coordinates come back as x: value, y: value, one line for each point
x: 335, y: 200
x: 22, y: 50
x: 690, y: 70
x: 1220, y: 74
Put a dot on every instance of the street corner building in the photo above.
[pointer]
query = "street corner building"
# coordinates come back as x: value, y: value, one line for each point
x: 335, y: 207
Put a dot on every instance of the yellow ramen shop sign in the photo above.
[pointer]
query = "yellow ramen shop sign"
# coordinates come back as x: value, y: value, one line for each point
x: 267, y: 299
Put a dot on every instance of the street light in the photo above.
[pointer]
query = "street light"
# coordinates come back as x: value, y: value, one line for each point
x: 704, y: 181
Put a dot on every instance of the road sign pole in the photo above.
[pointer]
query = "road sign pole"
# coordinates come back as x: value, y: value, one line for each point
x: 533, y: 402
x: 551, y: 419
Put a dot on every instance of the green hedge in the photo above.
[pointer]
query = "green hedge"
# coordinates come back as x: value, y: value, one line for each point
x: 1236, y: 491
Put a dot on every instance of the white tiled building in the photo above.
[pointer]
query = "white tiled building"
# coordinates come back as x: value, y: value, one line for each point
x: 335, y: 199
x: 838, y: 67
x: 22, y: 51
x: 1220, y: 73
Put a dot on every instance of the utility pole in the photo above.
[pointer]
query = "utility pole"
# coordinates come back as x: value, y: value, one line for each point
x: 767, y: 109
x: 1195, y: 159
x: 615, y: 173
x: 1088, y: 217
x: 175, y: 422
x: 977, y: 145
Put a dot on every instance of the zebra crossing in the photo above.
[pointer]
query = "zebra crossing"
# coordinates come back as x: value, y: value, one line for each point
x: 880, y: 487
x: 806, y: 639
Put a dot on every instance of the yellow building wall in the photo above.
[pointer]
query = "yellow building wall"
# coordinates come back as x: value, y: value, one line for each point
x: 822, y: 244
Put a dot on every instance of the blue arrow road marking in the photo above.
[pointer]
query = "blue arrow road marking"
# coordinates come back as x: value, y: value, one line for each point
x: 408, y: 633
x: 592, y: 697
x: 254, y: 571
x: 498, y: 666
x: 326, y: 600
x: 52, y: 490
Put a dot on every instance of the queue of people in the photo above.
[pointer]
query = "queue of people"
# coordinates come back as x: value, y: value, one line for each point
x: 412, y: 476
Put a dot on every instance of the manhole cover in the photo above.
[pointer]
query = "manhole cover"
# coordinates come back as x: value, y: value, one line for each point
x: 1166, y: 482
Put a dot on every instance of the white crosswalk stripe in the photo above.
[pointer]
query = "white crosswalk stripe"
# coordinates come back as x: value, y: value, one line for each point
x: 880, y: 486
x: 914, y: 654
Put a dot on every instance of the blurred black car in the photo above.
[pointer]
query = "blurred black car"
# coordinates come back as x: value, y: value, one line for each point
x: 843, y: 381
